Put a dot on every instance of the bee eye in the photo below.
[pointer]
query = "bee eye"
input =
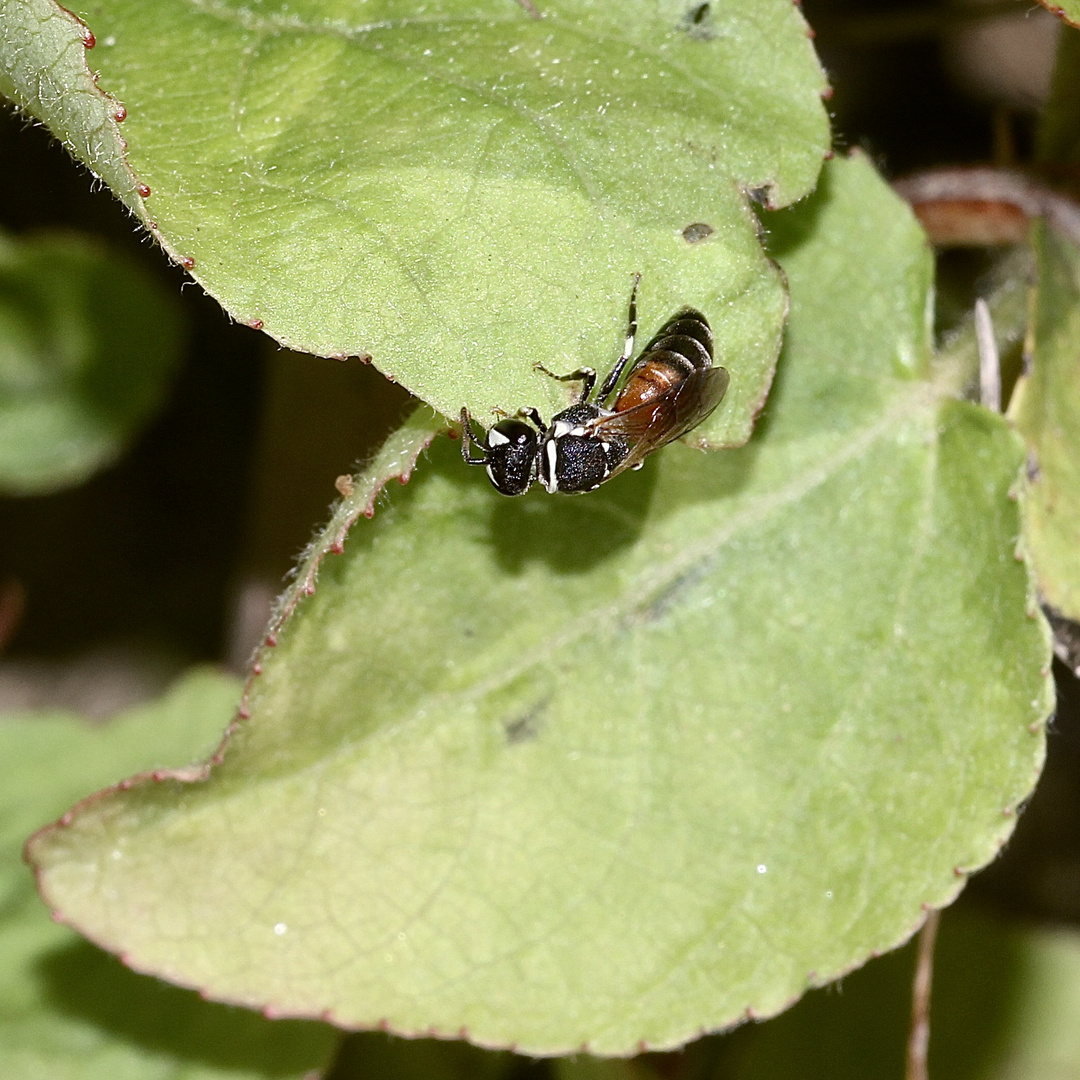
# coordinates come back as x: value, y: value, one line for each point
x: 511, y: 432
x: 511, y: 456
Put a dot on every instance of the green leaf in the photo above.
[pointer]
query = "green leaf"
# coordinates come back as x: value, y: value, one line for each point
x: 460, y: 189
x: 613, y: 770
x: 1046, y: 409
x: 1003, y: 1007
x: 68, y: 1010
x: 44, y: 71
x: 88, y: 342
x: 1057, y: 138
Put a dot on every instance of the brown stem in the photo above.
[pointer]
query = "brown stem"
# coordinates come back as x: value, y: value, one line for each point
x: 984, y: 206
x: 919, y: 1039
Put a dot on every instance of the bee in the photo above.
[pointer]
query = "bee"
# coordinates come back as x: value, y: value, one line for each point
x: 670, y: 389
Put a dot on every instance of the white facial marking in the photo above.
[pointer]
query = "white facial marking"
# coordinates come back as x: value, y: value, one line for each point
x: 496, y: 438
x: 606, y: 446
x: 577, y: 431
x: 491, y: 475
x: 561, y: 428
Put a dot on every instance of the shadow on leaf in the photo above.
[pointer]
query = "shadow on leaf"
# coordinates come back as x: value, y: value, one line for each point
x: 86, y: 984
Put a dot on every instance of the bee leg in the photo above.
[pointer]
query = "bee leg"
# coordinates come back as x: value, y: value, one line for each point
x: 628, y: 348
x: 468, y: 440
x: 533, y: 416
x: 586, y: 376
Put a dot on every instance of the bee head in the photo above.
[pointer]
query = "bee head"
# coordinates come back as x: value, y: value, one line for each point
x: 510, y: 456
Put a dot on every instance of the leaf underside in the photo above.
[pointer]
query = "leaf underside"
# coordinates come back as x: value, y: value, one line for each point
x: 613, y: 770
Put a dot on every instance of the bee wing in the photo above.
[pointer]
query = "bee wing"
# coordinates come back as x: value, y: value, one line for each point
x: 655, y: 423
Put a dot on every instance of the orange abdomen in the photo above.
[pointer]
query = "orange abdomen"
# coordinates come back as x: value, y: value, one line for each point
x: 648, y: 381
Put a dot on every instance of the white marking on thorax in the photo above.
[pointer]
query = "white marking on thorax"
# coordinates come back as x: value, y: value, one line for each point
x: 549, y: 479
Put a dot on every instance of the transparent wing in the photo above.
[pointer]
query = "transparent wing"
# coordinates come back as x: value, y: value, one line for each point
x: 655, y: 423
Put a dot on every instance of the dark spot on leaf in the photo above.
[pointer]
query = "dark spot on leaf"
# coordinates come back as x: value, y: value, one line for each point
x: 1033, y: 470
x: 673, y: 594
x: 527, y: 725
x: 692, y: 234
x: 760, y: 195
x: 697, y: 22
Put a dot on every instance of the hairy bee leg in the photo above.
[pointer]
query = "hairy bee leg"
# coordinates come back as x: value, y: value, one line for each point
x: 585, y: 375
x: 468, y: 440
x: 628, y: 348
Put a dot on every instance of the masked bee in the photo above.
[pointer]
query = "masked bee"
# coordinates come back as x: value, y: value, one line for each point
x: 671, y: 388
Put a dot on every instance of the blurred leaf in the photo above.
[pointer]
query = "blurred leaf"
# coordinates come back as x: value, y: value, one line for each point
x: 584, y: 1067
x: 1046, y: 409
x: 88, y: 342
x: 1057, y: 137
x: 460, y: 189
x: 1004, y: 1006
x: 66, y: 1009
x: 606, y: 772
x: 371, y: 1055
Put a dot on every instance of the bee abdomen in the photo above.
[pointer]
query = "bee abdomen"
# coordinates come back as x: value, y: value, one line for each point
x: 682, y: 345
x: 653, y: 375
x: 686, y: 333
